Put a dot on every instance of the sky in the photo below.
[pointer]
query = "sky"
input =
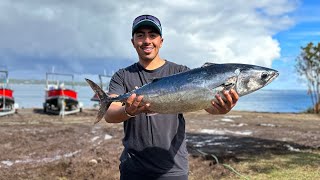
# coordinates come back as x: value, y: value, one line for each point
x: 87, y: 38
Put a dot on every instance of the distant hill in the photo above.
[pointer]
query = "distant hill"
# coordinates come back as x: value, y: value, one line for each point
x: 32, y: 81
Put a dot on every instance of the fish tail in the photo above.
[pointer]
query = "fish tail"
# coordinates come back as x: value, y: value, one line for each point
x: 105, y: 100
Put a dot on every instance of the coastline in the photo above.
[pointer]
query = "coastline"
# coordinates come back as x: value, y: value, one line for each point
x: 38, y: 110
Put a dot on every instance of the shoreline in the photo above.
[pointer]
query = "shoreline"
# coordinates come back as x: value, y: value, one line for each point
x: 232, y: 111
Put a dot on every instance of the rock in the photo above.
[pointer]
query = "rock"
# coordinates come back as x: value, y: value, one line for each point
x: 99, y: 160
x: 93, y: 162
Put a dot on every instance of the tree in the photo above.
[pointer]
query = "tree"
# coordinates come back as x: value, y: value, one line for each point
x: 308, y: 65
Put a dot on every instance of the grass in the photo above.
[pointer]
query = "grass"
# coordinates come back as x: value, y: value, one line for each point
x: 298, y: 165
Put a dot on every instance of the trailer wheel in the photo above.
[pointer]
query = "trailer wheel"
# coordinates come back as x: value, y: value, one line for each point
x: 44, y: 108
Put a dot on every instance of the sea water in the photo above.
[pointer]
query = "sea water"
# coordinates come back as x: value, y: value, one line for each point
x: 285, y: 101
x: 275, y: 101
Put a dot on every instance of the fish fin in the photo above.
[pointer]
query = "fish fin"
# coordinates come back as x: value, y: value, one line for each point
x: 105, y: 100
x: 207, y: 64
x: 229, y: 83
x: 155, y: 79
x: 228, y: 86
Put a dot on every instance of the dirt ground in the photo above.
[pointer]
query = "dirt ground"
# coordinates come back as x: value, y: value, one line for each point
x: 40, y: 146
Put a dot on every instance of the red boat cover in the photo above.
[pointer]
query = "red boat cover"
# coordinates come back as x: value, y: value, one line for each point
x: 62, y: 92
x: 6, y: 92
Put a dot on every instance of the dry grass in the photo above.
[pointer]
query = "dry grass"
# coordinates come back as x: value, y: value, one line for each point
x: 298, y: 165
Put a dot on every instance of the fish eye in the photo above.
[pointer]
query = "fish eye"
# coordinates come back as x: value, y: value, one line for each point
x: 264, y: 75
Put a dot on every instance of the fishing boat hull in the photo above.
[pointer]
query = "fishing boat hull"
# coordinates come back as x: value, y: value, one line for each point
x: 7, y: 103
x: 61, y: 101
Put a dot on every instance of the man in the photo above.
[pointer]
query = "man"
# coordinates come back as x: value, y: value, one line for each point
x: 154, y: 145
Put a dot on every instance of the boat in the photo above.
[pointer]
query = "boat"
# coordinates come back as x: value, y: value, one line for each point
x: 59, y: 99
x: 101, y: 77
x: 7, y: 102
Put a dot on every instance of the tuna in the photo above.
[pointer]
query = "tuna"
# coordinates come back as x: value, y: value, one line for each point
x: 194, y: 89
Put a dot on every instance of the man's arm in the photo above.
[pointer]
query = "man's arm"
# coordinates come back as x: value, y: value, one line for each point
x: 118, y: 113
x: 223, y: 107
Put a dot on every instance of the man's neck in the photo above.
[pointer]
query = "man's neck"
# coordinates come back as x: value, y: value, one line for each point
x: 152, y: 64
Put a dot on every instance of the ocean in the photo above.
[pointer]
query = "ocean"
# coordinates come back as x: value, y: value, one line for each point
x: 282, y: 101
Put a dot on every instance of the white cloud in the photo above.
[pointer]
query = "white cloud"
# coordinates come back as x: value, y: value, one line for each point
x: 194, y: 31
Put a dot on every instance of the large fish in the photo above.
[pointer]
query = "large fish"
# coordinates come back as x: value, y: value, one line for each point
x: 194, y: 89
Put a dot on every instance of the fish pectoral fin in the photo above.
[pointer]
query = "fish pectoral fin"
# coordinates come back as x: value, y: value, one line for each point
x: 228, y: 86
x: 229, y: 83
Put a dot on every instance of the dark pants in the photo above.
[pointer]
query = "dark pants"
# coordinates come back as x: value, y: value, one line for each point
x: 140, y: 177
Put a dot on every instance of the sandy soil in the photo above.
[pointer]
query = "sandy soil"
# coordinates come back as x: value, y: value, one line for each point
x: 40, y: 146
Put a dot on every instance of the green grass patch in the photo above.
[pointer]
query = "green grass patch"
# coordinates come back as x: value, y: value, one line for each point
x: 297, y: 165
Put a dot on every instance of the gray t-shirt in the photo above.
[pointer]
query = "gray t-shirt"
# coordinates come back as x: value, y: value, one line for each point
x: 153, y: 145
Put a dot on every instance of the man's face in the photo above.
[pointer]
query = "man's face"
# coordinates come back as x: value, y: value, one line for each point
x: 147, y: 43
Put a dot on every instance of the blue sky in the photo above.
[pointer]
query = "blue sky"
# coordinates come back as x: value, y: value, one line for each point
x: 87, y: 38
x: 305, y: 30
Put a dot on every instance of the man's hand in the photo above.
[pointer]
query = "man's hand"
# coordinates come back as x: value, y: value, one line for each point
x: 223, y: 107
x: 134, y: 105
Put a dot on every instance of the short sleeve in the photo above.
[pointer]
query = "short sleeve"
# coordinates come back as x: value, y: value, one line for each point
x: 116, y: 85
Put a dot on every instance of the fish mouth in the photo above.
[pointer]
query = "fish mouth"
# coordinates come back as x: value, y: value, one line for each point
x: 273, y: 75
